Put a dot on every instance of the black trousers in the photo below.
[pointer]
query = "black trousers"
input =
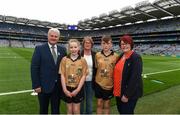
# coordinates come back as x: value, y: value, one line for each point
x: 126, y: 108
x: 53, y: 98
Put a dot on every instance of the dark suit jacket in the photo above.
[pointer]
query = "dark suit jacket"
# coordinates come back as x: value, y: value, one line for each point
x: 94, y: 69
x: 132, y: 84
x: 44, y: 72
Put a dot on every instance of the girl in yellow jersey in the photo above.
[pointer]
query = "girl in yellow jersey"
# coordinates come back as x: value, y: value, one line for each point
x: 104, y: 62
x: 73, y: 70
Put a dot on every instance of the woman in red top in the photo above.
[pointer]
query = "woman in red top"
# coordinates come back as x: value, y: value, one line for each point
x: 128, y: 85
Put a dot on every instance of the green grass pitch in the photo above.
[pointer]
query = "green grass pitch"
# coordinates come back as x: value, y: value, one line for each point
x: 161, y: 84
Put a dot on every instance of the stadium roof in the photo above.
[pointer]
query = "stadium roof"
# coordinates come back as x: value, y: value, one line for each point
x: 142, y: 12
x: 25, y: 21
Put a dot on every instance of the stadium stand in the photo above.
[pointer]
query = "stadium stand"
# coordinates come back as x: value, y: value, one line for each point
x: 155, y: 28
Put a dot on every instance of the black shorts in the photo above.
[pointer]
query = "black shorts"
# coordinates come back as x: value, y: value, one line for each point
x: 101, y: 93
x: 77, y: 99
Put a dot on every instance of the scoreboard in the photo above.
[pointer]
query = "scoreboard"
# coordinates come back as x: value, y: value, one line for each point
x: 72, y: 27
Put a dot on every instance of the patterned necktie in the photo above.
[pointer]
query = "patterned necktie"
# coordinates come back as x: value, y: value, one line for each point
x: 54, y: 54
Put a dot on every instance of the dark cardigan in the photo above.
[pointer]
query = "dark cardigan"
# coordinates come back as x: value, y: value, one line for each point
x: 132, y: 84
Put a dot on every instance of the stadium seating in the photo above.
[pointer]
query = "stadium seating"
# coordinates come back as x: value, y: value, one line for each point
x: 156, y: 37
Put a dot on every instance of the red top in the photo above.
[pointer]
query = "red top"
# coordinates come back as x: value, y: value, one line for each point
x: 118, y: 70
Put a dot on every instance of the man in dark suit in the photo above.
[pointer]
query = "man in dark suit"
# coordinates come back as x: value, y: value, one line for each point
x: 44, y: 72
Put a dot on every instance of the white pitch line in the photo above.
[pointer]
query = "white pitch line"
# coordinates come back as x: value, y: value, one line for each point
x: 162, y: 71
x: 157, y: 81
x: 16, y: 92
x: 10, y: 57
x: 25, y: 91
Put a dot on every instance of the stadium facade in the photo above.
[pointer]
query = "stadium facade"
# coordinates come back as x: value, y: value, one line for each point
x: 155, y: 28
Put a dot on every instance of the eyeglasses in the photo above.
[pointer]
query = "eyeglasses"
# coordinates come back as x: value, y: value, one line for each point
x: 87, y: 42
x: 123, y: 44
